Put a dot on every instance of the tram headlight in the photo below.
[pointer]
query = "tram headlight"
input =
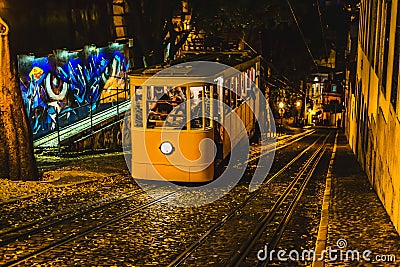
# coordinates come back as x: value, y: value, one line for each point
x: 167, y: 148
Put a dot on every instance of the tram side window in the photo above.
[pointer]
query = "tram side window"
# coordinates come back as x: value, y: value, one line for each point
x: 138, y: 106
x: 243, y: 85
x: 208, y: 113
x: 200, y: 107
x: 240, y: 93
x: 234, y: 93
x: 250, y: 85
x: 196, y: 107
x: 227, y: 97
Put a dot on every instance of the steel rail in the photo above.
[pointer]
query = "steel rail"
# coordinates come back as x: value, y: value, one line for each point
x: 71, y: 214
x: 82, y: 233
x: 193, y: 246
x: 308, y: 168
x: 289, y: 212
x: 292, y: 139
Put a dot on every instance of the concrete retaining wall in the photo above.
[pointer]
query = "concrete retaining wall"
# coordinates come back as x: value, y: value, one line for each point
x: 109, y: 137
x: 106, y: 135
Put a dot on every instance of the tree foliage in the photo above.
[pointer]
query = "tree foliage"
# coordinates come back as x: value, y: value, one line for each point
x: 269, y: 26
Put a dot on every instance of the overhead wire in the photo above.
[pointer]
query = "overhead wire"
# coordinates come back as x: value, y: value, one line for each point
x: 286, y: 82
x: 322, y: 29
x: 302, y: 34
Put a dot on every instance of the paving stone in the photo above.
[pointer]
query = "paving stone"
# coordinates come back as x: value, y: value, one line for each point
x: 356, y: 213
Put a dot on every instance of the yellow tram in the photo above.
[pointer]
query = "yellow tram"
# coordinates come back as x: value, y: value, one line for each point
x: 168, y: 146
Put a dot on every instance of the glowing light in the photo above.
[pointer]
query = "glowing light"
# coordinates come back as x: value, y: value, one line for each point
x: 281, y: 105
x: 166, y: 148
x: 298, y: 103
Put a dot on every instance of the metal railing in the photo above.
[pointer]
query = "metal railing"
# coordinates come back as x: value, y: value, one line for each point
x: 85, y: 118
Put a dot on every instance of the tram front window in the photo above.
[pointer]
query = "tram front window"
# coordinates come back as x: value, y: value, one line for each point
x: 161, y: 105
x: 166, y: 106
x: 178, y: 107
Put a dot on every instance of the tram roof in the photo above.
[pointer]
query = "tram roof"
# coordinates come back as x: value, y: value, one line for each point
x: 241, y: 59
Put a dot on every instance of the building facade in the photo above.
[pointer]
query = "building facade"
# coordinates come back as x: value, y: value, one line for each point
x: 372, y: 100
x: 324, y: 100
x: 314, y: 92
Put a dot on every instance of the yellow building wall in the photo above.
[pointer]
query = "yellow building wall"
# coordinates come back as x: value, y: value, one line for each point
x: 373, y: 129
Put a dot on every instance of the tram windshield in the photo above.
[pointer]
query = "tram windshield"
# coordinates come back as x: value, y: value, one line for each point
x: 181, y: 107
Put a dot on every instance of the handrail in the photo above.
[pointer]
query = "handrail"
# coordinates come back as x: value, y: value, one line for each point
x: 65, y: 132
x: 89, y: 104
x: 98, y: 116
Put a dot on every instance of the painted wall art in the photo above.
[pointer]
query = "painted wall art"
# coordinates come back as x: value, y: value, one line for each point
x: 69, y: 84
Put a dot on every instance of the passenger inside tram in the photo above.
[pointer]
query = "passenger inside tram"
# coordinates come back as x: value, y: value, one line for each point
x: 161, y: 106
x: 162, y: 101
x: 177, y: 94
x: 167, y: 106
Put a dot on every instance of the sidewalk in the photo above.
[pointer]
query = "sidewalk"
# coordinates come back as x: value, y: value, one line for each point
x: 356, y: 213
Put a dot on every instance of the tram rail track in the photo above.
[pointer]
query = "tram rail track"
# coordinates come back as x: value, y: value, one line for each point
x: 298, y: 186
x: 74, y: 236
x: 12, y: 234
x: 92, y: 207
x: 282, y: 144
x: 195, y: 245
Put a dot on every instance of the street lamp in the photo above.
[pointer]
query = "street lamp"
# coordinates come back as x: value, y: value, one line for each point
x: 281, y: 112
x: 298, y: 107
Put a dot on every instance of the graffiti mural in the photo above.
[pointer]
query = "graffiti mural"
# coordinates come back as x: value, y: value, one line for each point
x: 69, y: 84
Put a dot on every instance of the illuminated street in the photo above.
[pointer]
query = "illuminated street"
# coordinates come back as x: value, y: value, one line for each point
x: 122, y: 225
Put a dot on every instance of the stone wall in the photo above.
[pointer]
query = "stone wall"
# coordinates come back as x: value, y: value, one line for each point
x: 109, y: 137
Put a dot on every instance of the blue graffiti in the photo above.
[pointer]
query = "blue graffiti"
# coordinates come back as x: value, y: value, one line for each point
x: 68, y: 85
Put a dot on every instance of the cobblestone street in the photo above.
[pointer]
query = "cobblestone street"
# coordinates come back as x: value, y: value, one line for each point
x: 111, y: 221
x: 153, y: 235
